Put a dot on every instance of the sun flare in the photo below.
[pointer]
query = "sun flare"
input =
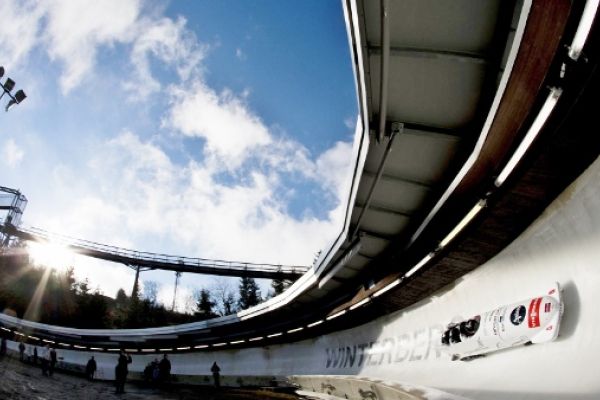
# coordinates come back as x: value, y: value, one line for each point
x: 50, y: 255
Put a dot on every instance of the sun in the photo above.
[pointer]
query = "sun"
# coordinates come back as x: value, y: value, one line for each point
x: 51, y: 255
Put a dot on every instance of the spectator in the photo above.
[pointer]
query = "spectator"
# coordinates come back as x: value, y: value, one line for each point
x: 164, y: 369
x: 35, y: 355
x: 90, y: 369
x: 121, y: 371
x: 45, y: 358
x: 53, y: 361
x: 215, y: 372
x: 21, y: 351
x: 148, y: 371
x: 3, y: 347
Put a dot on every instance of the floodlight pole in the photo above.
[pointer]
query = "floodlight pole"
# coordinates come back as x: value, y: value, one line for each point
x: 7, y: 88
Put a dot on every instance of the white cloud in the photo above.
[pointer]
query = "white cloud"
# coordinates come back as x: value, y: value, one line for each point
x: 224, y: 120
x: 72, y: 32
x: 332, y: 168
x: 18, y: 30
x: 76, y: 29
x: 12, y: 154
x: 168, y: 41
x: 137, y: 195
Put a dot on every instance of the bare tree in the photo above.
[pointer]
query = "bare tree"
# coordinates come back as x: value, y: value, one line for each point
x: 151, y: 291
x: 224, y: 297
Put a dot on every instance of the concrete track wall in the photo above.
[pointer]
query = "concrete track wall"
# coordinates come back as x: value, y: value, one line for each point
x: 563, y: 246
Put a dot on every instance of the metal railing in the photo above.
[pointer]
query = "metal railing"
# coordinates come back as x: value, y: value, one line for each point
x: 161, y: 261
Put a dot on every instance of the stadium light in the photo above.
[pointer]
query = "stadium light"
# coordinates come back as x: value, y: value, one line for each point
x: 458, y: 228
x: 585, y: 24
x: 531, y: 134
x: 7, y: 88
x: 419, y: 265
x: 387, y: 287
x: 338, y: 314
x: 360, y: 303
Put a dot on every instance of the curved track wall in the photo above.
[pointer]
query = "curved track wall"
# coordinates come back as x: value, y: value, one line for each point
x: 563, y: 246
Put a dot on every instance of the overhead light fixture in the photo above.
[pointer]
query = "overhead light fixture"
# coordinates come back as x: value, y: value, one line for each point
x: 583, y: 29
x: 96, y: 348
x: 337, y: 314
x: 360, y: 303
x: 148, y: 350
x: 387, y: 287
x: 201, y: 346
x: 219, y: 344
x: 420, y: 264
x: 184, y: 348
x: 165, y: 349
x: 275, y: 334
x: 113, y: 349
x: 314, y: 324
x: 79, y: 347
x: 237, y: 342
x: 461, y: 225
x: 532, y: 133
x: 295, y: 330
x: 254, y: 339
x: 7, y: 87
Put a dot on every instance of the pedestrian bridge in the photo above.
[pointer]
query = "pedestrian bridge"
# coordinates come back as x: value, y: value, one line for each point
x: 147, y: 260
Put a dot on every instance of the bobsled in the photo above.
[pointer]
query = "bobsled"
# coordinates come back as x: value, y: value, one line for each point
x: 535, y: 320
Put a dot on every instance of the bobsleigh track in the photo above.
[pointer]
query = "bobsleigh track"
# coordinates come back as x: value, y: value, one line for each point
x: 403, y: 350
x: 475, y: 184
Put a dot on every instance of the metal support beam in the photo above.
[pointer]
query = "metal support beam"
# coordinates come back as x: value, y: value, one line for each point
x: 135, y: 290
x: 177, y: 276
x: 413, y: 126
x: 414, y: 52
x: 377, y: 235
x: 385, y: 67
x: 394, y: 178
x: 396, y: 128
x: 386, y: 210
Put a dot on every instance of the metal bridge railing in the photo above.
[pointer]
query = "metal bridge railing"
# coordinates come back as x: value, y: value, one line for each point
x: 142, y: 257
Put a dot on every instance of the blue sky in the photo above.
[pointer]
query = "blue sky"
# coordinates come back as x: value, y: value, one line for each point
x: 201, y: 128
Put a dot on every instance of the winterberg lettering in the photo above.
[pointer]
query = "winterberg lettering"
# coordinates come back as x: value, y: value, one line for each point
x: 419, y: 345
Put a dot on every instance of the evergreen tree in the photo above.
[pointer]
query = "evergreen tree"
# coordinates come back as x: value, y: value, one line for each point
x: 249, y: 293
x: 204, y: 304
x: 121, y: 300
x: 92, y: 311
